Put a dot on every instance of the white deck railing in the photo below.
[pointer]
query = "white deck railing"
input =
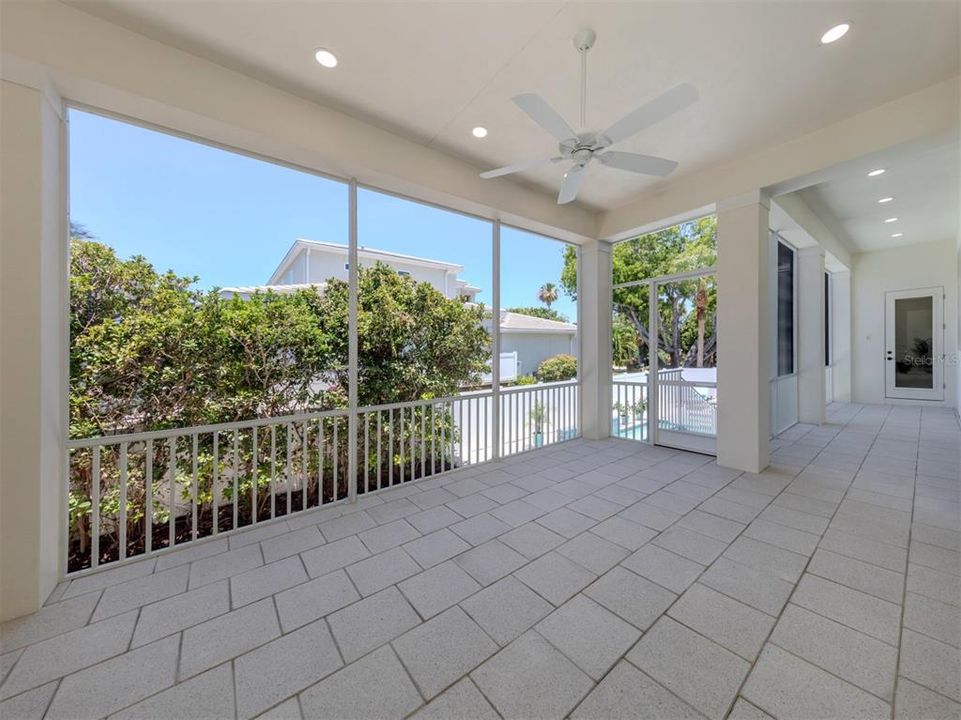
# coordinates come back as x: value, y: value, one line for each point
x: 686, y: 406
x: 136, y: 494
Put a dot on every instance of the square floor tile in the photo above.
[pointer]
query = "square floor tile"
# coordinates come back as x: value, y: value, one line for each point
x: 315, y: 599
x: 436, y: 589
x: 284, y: 666
x: 853, y: 656
x: 531, y: 540
x: 347, y: 693
x: 443, y: 649
x: 375, y: 620
x: 436, y: 547
x: 731, y: 624
x: 785, y: 686
x: 594, y: 638
x: 490, y: 562
x: 627, y: 694
x: 635, y: 599
x: 530, y: 679
x: 380, y: 571
x: 664, y: 567
x: 506, y: 609
x: 593, y: 552
x: 554, y: 577
x: 700, y: 672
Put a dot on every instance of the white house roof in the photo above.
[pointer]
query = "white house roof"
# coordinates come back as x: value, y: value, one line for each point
x: 301, y: 244
x: 248, y: 290
x: 518, y: 323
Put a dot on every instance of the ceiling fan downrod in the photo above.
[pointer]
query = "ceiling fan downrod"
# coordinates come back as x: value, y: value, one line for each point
x: 584, y: 40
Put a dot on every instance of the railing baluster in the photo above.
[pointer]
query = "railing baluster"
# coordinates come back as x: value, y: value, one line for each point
x: 390, y: 448
x: 122, y: 526
x: 273, y: 471
x: 255, y: 476
x: 336, y: 453
x: 423, y: 442
x: 379, y: 450
x: 236, y: 479
x: 290, y: 467
x: 215, y: 481
x: 193, y: 490
x: 148, y: 502
x: 413, y: 433
x: 305, y: 470
x: 95, y: 507
x: 172, y: 492
x: 366, y: 453
x: 320, y: 460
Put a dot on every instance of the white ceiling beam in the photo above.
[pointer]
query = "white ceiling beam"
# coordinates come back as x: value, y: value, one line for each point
x: 928, y: 112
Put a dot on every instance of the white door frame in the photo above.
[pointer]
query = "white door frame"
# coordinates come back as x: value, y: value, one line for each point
x: 937, y: 351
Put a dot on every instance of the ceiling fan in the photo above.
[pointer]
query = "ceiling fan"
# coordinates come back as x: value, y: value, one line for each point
x: 581, y: 148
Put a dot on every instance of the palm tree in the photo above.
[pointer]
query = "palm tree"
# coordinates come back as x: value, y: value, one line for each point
x: 547, y: 294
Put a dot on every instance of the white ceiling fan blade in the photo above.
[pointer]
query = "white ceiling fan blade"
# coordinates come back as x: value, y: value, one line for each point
x: 520, y: 167
x: 665, y: 105
x: 544, y: 115
x: 637, y: 163
x: 572, y: 183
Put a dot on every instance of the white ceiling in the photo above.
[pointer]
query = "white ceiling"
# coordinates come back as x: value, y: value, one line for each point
x: 925, y: 183
x: 432, y: 71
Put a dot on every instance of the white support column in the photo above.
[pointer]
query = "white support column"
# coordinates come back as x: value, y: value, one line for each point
x: 352, y: 347
x: 841, y: 335
x: 743, y: 409
x: 33, y: 353
x: 594, y: 301
x: 496, y: 342
x: 810, y: 336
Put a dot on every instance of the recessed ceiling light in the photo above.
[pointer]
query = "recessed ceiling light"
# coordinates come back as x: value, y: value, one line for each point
x: 326, y: 58
x: 885, y: 200
x: 890, y: 220
x: 479, y: 132
x: 835, y: 33
x: 875, y: 173
x: 897, y: 234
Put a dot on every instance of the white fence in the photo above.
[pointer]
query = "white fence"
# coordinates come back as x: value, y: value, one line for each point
x: 136, y: 494
x: 510, y: 368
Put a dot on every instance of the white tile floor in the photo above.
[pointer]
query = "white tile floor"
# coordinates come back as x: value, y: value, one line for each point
x: 591, y: 580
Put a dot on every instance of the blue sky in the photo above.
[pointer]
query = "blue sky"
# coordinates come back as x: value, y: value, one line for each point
x: 229, y: 219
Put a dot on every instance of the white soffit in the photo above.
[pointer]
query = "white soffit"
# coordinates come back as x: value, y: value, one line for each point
x: 925, y: 183
x: 431, y: 71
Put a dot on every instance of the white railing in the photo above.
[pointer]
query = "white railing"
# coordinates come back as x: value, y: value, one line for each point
x: 629, y: 410
x: 137, y: 494
x: 687, y: 406
x: 536, y: 415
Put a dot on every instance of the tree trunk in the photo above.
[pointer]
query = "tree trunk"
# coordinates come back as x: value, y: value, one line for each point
x: 700, y: 300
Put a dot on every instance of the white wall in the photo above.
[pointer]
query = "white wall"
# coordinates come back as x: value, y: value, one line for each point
x: 904, y: 268
x: 324, y: 265
x: 533, y: 348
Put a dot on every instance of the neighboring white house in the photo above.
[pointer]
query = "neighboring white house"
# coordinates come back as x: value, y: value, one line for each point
x: 526, y: 341
x: 533, y: 340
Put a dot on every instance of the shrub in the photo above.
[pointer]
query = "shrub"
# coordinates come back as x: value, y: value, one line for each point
x: 526, y: 380
x: 559, y: 367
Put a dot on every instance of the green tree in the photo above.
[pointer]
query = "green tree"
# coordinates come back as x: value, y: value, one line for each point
x: 547, y: 294
x: 688, y: 246
x: 148, y: 351
x: 556, y: 368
